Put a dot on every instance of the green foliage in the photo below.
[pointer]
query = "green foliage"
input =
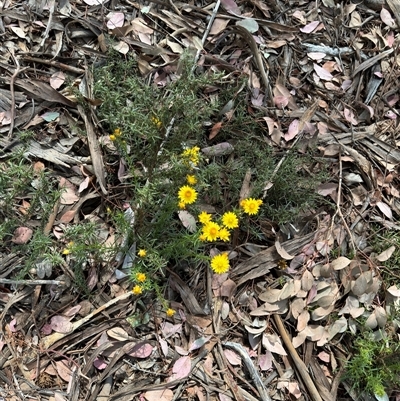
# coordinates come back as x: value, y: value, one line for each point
x: 375, y: 364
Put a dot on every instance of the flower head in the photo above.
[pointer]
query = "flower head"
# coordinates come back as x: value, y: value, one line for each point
x: 224, y: 234
x: 117, y: 132
x: 187, y: 194
x: 181, y: 205
x: 204, y: 217
x: 113, y: 137
x: 250, y: 205
x: 230, y: 220
x: 203, y: 238
x: 137, y: 290
x: 220, y: 263
x: 211, y: 231
x: 142, y: 253
x: 156, y: 121
x: 141, y: 277
x: 191, y: 179
x: 192, y: 155
x: 170, y: 312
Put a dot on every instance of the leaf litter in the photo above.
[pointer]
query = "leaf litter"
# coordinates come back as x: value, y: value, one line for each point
x: 296, y: 280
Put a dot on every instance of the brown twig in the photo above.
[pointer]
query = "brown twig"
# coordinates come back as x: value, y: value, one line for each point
x: 54, y: 63
x: 300, y: 365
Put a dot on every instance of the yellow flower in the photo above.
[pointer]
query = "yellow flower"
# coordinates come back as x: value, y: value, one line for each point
x: 142, y: 253
x: 230, y: 220
x: 170, y: 312
x: 66, y: 251
x: 112, y: 137
x: 141, y: 277
x: 187, y: 194
x: 156, y: 121
x: 211, y: 231
x: 251, y: 206
x: 137, y: 289
x: 181, y: 205
x: 192, y: 154
x: 220, y: 263
x: 204, y: 217
x: 117, y: 132
x: 203, y: 238
x: 224, y: 234
x: 191, y: 179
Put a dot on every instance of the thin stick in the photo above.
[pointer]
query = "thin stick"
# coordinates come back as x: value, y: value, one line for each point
x: 54, y: 63
x: 31, y: 282
x: 300, y: 365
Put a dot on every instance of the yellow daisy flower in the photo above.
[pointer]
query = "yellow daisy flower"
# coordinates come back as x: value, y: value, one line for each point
x: 220, y: 263
x: 170, y: 312
x: 224, y: 234
x: 117, y: 132
x: 230, y: 220
x: 181, y: 205
x: 142, y: 253
x: 211, y: 231
x: 137, y: 290
x: 192, y: 154
x: 187, y: 194
x: 191, y: 179
x: 113, y: 137
x: 141, y: 277
x: 251, y: 206
x: 204, y: 217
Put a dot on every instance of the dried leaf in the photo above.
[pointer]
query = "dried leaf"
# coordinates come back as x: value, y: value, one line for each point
x: 231, y: 7
x: 385, y: 209
x: 309, y: 27
x: 387, y: 18
x: 232, y: 357
x: 165, y: 394
x: 181, y: 368
x: 282, y: 251
x: 63, y: 370
x: 188, y: 220
x: 272, y: 343
x: 323, y: 73
x: 307, y: 281
x: 219, y: 26
x: 248, y: 23
x: 385, y: 255
x: 265, y: 361
x: 118, y: 333
x: 57, y: 79
x: 340, y: 263
x: 22, y: 235
x: 61, y: 324
x: 215, y: 129
x: 198, y: 343
x: 141, y: 350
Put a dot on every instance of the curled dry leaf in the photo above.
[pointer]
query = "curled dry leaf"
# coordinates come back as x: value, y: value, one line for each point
x: 272, y: 343
x: 282, y: 252
x: 340, y: 263
x: 22, y: 235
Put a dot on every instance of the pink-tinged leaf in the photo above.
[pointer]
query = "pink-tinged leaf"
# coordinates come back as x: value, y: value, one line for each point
x: 57, y: 79
x: 12, y: 324
x: 392, y: 100
x: 99, y: 363
x: 327, y: 189
x: 265, y: 361
x: 63, y: 370
x: 61, y: 324
x: 73, y: 311
x: 181, y: 368
x: 231, y: 7
x: 346, y: 84
x: 46, y: 329
x: 391, y: 115
x: 116, y: 20
x: 219, y: 26
x: 270, y: 124
x: 390, y: 39
x: 322, y: 73
x: 199, y: 343
x: 281, y: 101
x: 22, y: 235
x: 141, y: 350
x: 84, y: 184
x: 387, y: 18
x: 293, y: 130
x: 215, y: 129
x: 232, y: 357
x: 68, y: 216
x: 103, y: 339
x: 168, y: 329
x: 316, y: 56
x: 164, y: 346
x: 324, y: 356
x: 309, y: 27
x: 159, y: 395
x: 349, y: 116
x: 385, y: 209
